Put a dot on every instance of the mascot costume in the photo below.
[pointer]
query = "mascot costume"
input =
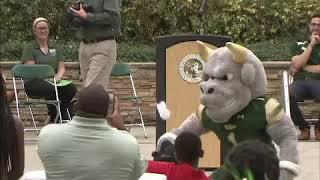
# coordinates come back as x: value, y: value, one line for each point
x: 234, y: 106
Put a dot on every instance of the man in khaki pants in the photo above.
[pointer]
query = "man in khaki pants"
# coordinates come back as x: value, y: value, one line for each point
x: 99, y: 26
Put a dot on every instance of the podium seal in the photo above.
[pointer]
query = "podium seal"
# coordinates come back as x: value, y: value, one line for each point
x: 191, y: 67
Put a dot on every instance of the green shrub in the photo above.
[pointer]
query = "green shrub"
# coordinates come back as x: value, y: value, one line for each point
x: 272, y: 50
x: 127, y: 51
x: 245, y: 21
x: 136, y: 52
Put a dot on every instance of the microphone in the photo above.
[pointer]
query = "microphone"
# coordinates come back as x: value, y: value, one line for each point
x: 203, y: 7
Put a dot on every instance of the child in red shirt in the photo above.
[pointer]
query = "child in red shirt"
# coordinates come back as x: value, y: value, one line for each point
x: 188, y: 150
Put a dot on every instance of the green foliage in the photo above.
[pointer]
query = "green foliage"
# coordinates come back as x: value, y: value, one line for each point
x: 260, y: 20
x: 127, y: 51
x: 17, y: 17
x: 256, y: 22
x: 277, y: 50
x: 135, y: 52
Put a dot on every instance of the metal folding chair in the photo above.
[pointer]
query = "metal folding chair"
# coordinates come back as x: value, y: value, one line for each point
x: 123, y: 70
x: 25, y: 72
x: 287, y: 79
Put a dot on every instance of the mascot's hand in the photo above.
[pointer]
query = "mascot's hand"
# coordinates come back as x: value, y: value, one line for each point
x: 169, y: 136
x: 288, y: 170
x: 165, y: 148
x: 286, y: 174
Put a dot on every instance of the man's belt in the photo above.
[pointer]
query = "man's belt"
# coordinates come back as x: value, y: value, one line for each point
x: 90, y: 41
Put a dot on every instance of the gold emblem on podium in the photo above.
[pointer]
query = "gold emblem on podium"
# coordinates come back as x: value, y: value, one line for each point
x: 191, y: 67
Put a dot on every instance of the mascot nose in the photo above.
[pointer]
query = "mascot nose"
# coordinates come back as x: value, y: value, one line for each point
x: 210, y: 90
x: 207, y: 91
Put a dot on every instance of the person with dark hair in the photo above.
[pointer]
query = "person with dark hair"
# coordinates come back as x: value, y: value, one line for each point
x: 91, y: 146
x: 11, y: 139
x: 305, y: 68
x: 251, y: 160
x: 188, y: 150
x: 43, y: 51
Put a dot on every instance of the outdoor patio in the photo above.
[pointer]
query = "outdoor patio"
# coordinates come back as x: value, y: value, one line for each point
x: 309, y: 153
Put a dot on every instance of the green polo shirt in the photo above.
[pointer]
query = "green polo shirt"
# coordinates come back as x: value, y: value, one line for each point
x: 88, y: 148
x: 104, y: 20
x: 297, y: 49
x: 32, y: 51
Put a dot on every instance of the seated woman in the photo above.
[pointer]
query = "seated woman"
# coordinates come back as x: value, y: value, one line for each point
x: 41, y: 51
x: 11, y: 141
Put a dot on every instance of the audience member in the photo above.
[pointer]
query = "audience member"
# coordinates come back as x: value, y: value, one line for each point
x: 42, y: 51
x: 11, y: 139
x: 305, y: 68
x: 188, y: 150
x: 88, y: 147
x: 251, y: 160
x: 99, y: 22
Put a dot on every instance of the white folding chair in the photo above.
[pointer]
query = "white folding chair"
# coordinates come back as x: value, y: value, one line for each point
x: 287, y: 79
x: 123, y: 70
x: 25, y: 72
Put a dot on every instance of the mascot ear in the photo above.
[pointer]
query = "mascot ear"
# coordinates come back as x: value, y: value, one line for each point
x: 205, y: 51
x: 239, y: 52
x: 248, y: 73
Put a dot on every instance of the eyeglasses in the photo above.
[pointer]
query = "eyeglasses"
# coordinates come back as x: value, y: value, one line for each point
x: 315, y: 24
x: 42, y: 28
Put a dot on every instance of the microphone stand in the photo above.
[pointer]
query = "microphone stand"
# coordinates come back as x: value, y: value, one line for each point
x: 201, y: 12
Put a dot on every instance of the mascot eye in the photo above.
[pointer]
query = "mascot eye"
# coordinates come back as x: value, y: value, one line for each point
x: 227, y: 77
x: 224, y: 78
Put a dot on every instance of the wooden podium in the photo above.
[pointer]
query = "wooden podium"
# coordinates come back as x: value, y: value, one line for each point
x: 179, y: 68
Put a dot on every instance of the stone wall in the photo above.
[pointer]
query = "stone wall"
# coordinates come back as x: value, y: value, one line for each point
x: 144, y: 75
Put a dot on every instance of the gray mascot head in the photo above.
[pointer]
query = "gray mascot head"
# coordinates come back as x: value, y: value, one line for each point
x: 232, y: 77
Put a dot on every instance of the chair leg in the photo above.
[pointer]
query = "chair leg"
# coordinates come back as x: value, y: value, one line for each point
x: 142, y: 122
x: 69, y: 116
x: 33, y: 121
x: 58, y: 116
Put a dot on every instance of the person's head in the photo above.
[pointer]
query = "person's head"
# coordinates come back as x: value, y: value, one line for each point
x: 93, y: 100
x: 252, y: 158
x: 4, y: 138
x: 41, y: 28
x: 188, y: 148
x: 314, y: 25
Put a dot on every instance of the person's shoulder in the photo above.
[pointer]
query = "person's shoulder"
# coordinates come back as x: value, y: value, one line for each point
x: 125, y: 136
x: 50, y: 130
x: 31, y: 44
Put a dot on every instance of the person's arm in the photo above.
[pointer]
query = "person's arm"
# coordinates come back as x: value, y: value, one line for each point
x: 61, y: 70
x: 29, y: 62
x: 61, y: 67
x: 140, y: 166
x: 115, y: 119
x: 312, y: 68
x: 17, y: 156
x: 299, y: 61
x: 107, y: 16
x: 158, y: 167
x: 26, y: 56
